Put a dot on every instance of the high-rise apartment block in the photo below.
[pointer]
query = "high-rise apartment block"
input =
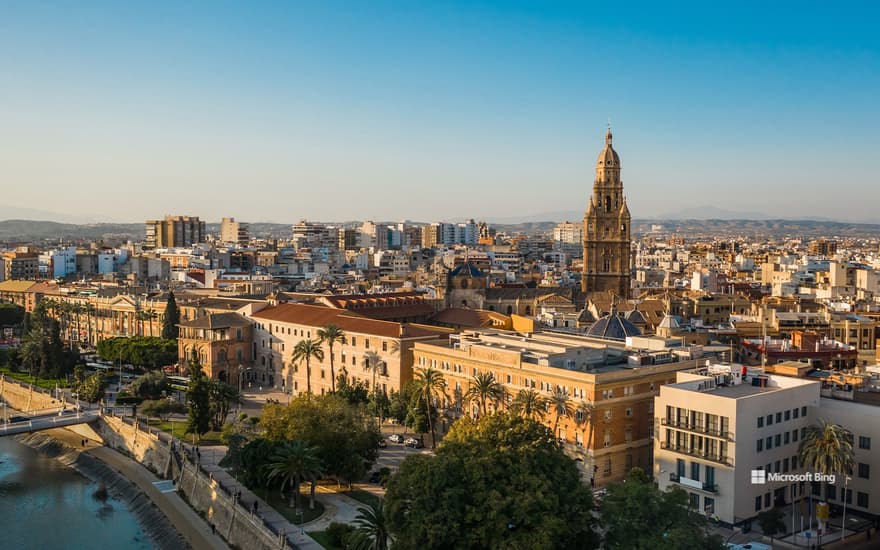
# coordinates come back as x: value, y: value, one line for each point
x: 175, y: 231
x: 233, y: 232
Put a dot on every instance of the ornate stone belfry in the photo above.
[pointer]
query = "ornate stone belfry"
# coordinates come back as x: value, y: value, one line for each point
x: 607, y: 252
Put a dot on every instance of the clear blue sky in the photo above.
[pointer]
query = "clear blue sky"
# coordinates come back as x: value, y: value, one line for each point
x: 273, y: 111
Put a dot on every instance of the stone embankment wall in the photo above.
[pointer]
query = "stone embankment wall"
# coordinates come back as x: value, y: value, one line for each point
x: 152, y: 449
x: 216, y: 503
x: 154, y: 523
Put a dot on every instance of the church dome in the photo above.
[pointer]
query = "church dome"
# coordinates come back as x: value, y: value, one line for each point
x: 608, y: 157
x: 613, y: 327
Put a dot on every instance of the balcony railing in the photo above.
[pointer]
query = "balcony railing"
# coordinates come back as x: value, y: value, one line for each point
x: 706, y: 430
x: 709, y: 488
x: 712, y: 457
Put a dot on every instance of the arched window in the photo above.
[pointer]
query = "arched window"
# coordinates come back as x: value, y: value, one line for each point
x: 528, y: 310
x: 623, y: 227
x: 509, y: 310
x: 607, y: 203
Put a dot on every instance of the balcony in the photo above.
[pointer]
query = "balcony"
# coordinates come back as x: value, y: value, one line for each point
x: 712, y: 457
x: 704, y: 430
x: 693, y: 484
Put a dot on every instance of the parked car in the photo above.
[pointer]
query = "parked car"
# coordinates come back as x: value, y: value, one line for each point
x: 395, y: 438
x: 382, y: 444
x: 375, y: 477
x: 412, y: 442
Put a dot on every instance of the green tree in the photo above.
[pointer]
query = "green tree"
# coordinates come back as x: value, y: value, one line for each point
x: 255, y: 456
x: 151, y: 385
x: 499, y: 482
x: 636, y: 515
x: 827, y: 448
x: 220, y: 397
x: 371, y: 529
x: 485, y: 388
x: 771, y: 522
x: 162, y: 408
x: 431, y: 387
x: 354, y: 392
x: 372, y: 362
x: 11, y: 315
x: 330, y: 335
x: 379, y: 405
x: 91, y: 388
x: 197, y: 398
x: 529, y: 404
x: 171, y: 318
x: 141, y: 351
x: 346, y: 436
x: 305, y: 350
x: 294, y: 462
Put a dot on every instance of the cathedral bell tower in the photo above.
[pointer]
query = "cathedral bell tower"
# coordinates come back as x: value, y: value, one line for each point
x: 607, y: 252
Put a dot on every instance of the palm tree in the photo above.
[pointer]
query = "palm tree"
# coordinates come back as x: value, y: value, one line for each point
x: 371, y: 529
x: 827, y: 448
x: 304, y: 351
x: 561, y: 407
x: 529, y: 404
x: 330, y: 335
x: 484, y: 387
x: 371, y: 361
x: 430, y: 385
x: 150, y: 316
x: 584, y: 413
x: 294, y: 462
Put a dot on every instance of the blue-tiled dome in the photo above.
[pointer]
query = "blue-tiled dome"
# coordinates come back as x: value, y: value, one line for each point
x: 614, y: 327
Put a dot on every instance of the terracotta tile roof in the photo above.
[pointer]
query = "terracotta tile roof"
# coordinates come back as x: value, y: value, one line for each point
x: 472, y: 318
x: 217, y: 320
x: 321, y: 316
x: 16, y: 286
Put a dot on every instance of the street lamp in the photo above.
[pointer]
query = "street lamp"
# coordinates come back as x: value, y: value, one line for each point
x: 846, y: 480
x: 240, y: 373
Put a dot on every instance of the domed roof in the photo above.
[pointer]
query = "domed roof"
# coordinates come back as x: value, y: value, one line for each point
x: 467, y: 269
x: 614, y: 327
x: 608, y: 157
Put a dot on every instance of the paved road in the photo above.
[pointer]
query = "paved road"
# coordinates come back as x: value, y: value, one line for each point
x: 45, y: 422
x: 187, y: 522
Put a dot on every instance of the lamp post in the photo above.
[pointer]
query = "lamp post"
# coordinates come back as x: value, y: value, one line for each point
x: 846, y: 479
x: 240, y: 373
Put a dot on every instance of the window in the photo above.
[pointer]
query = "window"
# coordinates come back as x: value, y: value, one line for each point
x: 865, y: 470
x: 784, y: 465
x: 758, y: 503
x: 795, y: 412
x: 794, y: 462
x: 629, y: 412
x: 776, y: 466
x: 760, y: 445
x: 760, y: 421
x: 366, y: 342
x: 803, y: 411
x: 769, y: 419
x: 803, y: 432
x: 794, y: 435
x: 768, y: 443
x: 353, y: 341
x: 778, y: 417
x: 862, y: 499
x: 384, y: 345
x: 864, y: 442
x: 787, y: 416
x: 777, y: 441
x: 766, y: 500
x: 695, y: 471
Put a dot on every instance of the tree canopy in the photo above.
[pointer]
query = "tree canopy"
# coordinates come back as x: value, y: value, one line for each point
x: 345, y: 435
x: 141, y: 351
x: 637, y: 515
x: 499, y: 482
x: 171, y: 318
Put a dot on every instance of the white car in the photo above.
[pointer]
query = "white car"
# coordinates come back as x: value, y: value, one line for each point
x: 395, y: 438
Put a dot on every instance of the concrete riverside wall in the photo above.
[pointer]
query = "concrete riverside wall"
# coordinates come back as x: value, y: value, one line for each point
x: 152, y: 449
x: 216, y: 503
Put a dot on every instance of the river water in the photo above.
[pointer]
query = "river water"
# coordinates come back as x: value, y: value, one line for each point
x: 45, y: 505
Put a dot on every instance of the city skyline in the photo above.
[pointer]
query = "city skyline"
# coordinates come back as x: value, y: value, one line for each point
x: 442, y: 112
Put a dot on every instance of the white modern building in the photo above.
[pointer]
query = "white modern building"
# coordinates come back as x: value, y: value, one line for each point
x: 715, y: 426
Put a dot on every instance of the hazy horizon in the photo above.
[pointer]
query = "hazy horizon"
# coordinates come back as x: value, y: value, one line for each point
x: 385, y: 111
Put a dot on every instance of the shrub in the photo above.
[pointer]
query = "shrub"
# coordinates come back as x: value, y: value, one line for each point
x: 338, y: 533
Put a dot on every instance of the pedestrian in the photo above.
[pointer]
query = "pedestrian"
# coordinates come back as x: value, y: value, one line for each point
x: 256, y: 506
x: 213, y: 529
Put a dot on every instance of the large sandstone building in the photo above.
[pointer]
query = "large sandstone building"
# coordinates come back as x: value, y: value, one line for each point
x: 607, y: 252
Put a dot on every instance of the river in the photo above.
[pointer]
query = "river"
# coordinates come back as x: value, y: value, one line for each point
x: 46, y: 505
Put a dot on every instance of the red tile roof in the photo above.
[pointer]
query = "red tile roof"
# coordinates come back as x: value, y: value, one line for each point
x: 321, y: 316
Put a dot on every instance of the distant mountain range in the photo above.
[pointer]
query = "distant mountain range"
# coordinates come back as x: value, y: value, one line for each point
x: 24, y: 231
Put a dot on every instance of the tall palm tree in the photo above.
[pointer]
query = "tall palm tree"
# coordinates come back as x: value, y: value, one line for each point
x: 329, y: 335
x: 827, y: 448
x: 305, y: 350
x: 561, y: 407
x: 431, y: 386
x: 89, y: 310
x: 150, y: 316
x: 483, y: 388
x: 529, y: 404
x: 371, y: 529
x: 584, y: 413
x: 371, y: 361
x: 294, y: 462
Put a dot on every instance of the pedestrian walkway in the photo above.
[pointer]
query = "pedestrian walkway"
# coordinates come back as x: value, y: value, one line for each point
x: 295, y: 535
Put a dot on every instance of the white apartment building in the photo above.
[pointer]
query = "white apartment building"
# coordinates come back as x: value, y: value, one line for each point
x: 713, y: 428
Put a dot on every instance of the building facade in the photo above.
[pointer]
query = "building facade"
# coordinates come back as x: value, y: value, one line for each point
x: 607, y: 249
x: 175, y: 231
